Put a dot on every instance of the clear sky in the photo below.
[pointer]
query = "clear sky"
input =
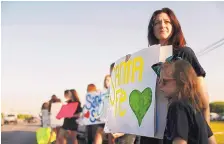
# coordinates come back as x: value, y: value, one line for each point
x: 48, y: 47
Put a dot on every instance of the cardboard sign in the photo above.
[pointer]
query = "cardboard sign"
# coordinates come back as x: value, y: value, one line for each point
x: 95, y: 108
x: 67, y: 111
x: 55, y: 108
x: 132, y: 101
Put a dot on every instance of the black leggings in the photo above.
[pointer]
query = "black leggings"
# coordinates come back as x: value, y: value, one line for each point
x: 91, y: 131
x: 147, y: 140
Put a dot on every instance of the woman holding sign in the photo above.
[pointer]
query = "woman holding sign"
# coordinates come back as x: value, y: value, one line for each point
x: 185, y: 122
x: 165, y: 29
x: 70, y: 126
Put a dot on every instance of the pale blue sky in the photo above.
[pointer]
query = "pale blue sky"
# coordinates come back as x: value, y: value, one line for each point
x: 48, y: 47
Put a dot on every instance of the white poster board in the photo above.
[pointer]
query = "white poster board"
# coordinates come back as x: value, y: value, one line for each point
x: 161, y: 101
x: 95, y: 108
x: 132, y: 103
x: 55, y: 108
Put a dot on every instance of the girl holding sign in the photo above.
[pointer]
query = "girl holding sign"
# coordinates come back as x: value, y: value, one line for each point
x: 90, y: 128
x: 99, y: 131
x: 185, y: 121
x: 165, y: 29
x: 70, y: 126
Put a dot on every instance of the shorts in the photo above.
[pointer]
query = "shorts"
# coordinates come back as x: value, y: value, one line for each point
x: 64, y: 133
x: 100, y: 125
x: 71, y: 127
x: 127, y: 139
x: 148, y: 140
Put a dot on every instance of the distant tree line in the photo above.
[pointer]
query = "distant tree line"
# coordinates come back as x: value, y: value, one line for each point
x: 217, y: 107
x: 20, y: 116
x: 23, y: 116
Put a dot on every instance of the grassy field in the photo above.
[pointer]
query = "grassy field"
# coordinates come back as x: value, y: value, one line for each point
x: 218, y: 130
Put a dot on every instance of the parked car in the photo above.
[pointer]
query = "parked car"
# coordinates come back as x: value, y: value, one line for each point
x: 221, y: 118
x: 10, y: 118
x: 214, y: 116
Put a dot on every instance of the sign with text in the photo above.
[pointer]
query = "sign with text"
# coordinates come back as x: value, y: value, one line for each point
x: 95, y: 108
x: 68, y: 110
x: 132, y: 93
x: 55, y: 108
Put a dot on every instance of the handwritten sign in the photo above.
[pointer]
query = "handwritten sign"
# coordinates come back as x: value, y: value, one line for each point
x: 95, y: 108
x: 55, y: 108
x: 161, y: 101
x: 132, y: 94
x: 67, y: 110
x: 45, y: 135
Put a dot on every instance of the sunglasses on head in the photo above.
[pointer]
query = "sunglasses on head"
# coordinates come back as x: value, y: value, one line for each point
x: 157, y: 67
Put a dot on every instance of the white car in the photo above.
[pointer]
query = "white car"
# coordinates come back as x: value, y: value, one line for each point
x: 214, y: 116
x: 10, y: 118
x: 222, y: 118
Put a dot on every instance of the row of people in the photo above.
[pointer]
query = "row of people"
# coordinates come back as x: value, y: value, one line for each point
x: 182, y: 81
x: 70, y: 125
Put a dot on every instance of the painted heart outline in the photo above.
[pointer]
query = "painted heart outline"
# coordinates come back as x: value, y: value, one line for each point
x: 140, y: 102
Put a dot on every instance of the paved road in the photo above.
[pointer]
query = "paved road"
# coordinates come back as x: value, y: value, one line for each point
x: 20, y: 134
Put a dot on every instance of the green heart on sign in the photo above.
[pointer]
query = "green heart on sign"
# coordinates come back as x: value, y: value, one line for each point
x: 140, y: 102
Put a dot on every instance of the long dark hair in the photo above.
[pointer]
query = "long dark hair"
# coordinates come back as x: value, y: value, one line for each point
x: 177, y: 39
x: 45, y: 106
x: 75, y: 96
x: 111, y: 68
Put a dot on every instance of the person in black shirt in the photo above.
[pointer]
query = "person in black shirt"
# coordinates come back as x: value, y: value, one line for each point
x: 70, y: 125
x: 185, y: 122
x: 165, y: 29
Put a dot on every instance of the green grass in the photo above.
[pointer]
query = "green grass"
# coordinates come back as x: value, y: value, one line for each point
x: 218, y: 127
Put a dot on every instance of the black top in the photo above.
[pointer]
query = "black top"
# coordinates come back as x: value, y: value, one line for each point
x: 185, y: 122
x: 188, y: 54
x: 70, y: 123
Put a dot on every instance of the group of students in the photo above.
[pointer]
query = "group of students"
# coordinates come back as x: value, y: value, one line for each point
x: 70, y: 126
x: 181, y: 80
